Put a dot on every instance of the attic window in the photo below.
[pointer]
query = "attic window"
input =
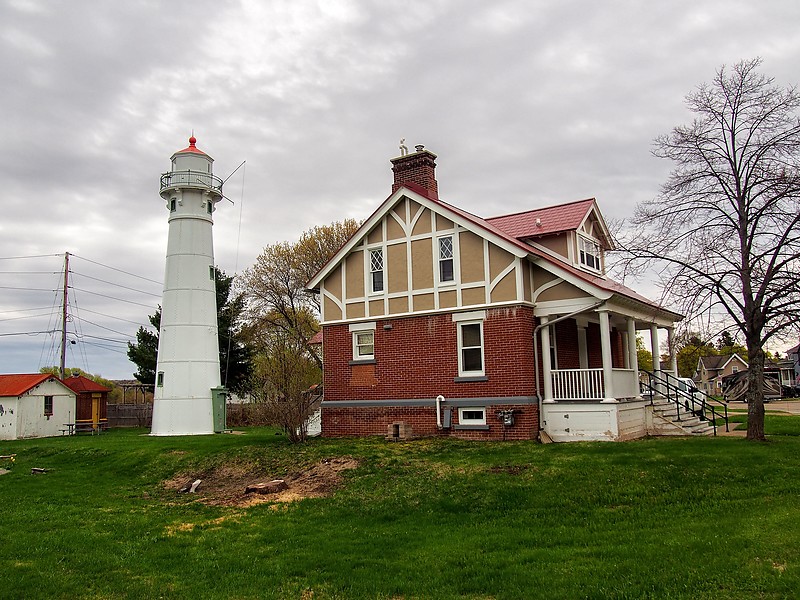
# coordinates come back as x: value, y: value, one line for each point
x: 589, y: 253
x: 446, y: 259
x: 376, y: 270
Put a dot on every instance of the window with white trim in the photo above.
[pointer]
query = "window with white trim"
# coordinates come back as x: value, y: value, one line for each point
x: 589, y: 253
x: 470, y: 348
x: 364, y: 344
x: 376, y: 270
x: 446, y: 264
x: 472, y: 415
x: 48, y: 406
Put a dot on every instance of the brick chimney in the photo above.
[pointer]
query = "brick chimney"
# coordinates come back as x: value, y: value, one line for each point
x: 417, y: 168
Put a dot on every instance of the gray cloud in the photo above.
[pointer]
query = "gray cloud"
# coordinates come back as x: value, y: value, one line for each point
x: 526, y: 104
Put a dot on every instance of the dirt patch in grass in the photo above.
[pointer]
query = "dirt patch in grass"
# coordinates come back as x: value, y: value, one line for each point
x: 225, y: 485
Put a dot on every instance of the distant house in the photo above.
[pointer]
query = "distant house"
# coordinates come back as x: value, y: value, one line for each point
x: 711, y: 370
x: 91, y: 403
x: 793, y: 354
x: 439, y: 322
x: 34, y: 405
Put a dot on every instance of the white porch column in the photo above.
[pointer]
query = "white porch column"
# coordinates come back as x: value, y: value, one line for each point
x: 655, y: 345
x: 673, y: 356
x: 546, y: 366
x: 605, y: 347
x: 633, y: 357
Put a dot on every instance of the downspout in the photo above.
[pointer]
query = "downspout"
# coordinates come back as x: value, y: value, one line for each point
x: 439, y: 400
x: 536, y: 349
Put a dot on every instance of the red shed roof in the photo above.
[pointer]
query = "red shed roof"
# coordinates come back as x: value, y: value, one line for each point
x: 16, y: 385
x: 80, y: 383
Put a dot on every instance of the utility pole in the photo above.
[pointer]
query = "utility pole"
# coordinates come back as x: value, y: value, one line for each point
x: 64, y: 315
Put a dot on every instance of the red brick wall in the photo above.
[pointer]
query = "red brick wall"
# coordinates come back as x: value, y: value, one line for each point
x: 593, y: 348
x: 567, y: 345
x: 356, y: 421
x: 418, y: 358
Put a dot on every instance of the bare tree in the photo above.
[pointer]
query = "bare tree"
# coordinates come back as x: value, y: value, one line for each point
x: 283, y: 317
x: 724, y: 233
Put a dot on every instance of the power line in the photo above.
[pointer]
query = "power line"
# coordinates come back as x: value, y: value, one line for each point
x: 29, y: 273
x: 118, y: 270
x: 28, y: 333
x: 113, y: 298
x: 116, y: 284
x: 33, y: 256
x: 27, y: 289
x: 107, y: 328
x: 25, y: 317
x: 15, y: 310
x: 117, y: 318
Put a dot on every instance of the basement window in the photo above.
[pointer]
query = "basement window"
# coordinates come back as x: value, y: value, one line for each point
x: 472, y: 416
x: 48, y: 406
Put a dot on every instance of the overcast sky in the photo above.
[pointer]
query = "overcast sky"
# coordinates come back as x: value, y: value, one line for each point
x: 526, y: 104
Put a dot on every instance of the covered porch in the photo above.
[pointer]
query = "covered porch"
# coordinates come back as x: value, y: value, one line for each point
x: 589, y: 384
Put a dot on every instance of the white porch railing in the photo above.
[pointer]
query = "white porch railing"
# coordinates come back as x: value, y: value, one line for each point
x: 626, y: 383
x: 577, y: 384
x: 587, y: 384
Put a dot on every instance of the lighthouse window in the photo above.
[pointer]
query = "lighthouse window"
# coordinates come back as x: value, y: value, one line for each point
x: 211, y: 272
x: 209, y: 207
x: 160, y: 379
x: 172, y: 205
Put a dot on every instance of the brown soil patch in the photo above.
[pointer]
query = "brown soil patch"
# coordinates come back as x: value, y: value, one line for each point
x: 225, y: 485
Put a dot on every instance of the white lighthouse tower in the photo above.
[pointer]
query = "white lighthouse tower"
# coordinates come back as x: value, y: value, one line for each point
x: 188, y: 346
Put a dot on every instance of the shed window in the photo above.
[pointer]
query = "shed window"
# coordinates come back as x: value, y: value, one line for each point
x: 48, y: 406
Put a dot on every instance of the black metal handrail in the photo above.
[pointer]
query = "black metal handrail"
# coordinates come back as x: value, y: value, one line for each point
x: 191, y: 178
x: 695, y: 402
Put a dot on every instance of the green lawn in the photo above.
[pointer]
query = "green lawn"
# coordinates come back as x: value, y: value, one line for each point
x: 655, y: 518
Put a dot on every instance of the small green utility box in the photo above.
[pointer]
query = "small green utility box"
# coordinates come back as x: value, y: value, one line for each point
x: 218, y: 397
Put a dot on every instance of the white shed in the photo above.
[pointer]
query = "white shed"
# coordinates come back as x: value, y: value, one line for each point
x: 34, y: 405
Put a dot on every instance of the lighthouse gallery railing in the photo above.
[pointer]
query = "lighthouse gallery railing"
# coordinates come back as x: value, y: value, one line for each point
x: 191, y: 178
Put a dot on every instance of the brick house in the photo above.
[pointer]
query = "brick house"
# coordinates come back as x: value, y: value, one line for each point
x: 435, y: 321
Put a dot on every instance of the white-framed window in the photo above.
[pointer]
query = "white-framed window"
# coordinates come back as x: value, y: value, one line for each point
x: 589, y: 253
x: 172, y: 206
x: 48, y: 406
x: 376, y: 270
x: 160, y: 379
x: 472, y: 415
x: 363, y: 345
x: 446, y: 262
x: 363, y: 341
x: 470, y: 348
x: 735, y: 369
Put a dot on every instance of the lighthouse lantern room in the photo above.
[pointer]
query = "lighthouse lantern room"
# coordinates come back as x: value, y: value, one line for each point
x: 187, y: 370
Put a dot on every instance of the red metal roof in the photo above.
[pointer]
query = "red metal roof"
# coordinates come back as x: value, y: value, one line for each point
x: 316, y: 338
x: 544, y: 221
x: 16, y: 385
x: 83, y: 384
x: 192, y: 148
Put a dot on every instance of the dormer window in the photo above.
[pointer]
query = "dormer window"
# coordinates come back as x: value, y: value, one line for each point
x: 589, y: 253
